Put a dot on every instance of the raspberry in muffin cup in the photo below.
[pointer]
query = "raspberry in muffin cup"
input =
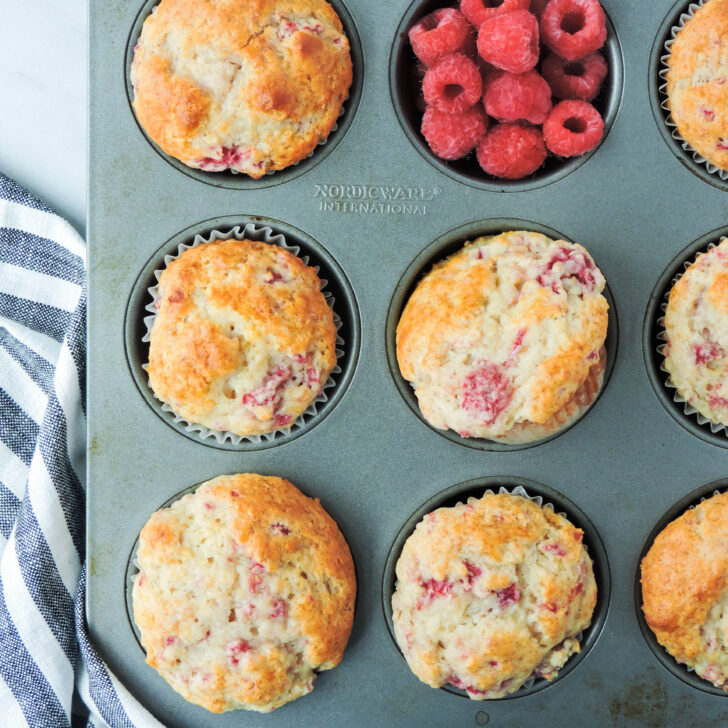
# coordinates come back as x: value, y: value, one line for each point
x: 243, y: 339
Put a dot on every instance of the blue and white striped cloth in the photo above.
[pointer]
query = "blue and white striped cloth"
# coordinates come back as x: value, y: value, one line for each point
x: 46, y: 660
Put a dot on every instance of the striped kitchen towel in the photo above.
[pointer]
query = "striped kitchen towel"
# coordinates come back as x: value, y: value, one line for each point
x: 50, y: 675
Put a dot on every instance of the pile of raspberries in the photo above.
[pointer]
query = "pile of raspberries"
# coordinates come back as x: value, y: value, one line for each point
x: 482, y: 91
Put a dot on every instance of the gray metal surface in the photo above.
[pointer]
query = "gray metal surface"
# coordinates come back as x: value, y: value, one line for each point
x: 371, y: 460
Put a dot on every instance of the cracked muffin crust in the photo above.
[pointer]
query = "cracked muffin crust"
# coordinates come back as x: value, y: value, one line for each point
x: 247, y: 85
x: 245, y: 590
x: 505, y: 338
x: 685, y: 589
x: 696, y: 325
x: 243, y: 340
x: 490, y: 593
x: 697, y: 82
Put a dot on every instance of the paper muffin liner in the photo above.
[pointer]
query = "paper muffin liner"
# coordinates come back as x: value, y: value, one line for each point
x: 662, y: 89
x: 539, y: 501
x: 686, y: 407
x: 261, y: 234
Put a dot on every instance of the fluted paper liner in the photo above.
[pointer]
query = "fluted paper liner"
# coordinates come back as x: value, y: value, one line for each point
x: 267, y: 235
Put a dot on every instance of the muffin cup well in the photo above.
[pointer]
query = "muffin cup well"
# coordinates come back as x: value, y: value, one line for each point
x: 673, y: 23
x: 441, y: 248
x: 543, y: 496
x: 234, y: 180
x: 403, y: 91
x: 680, y: 671
x: 654, y: 338
x: 262, y: 234
x: 336, y: 289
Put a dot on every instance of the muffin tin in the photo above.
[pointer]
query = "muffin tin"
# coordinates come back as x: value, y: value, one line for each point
x: 374, y: 212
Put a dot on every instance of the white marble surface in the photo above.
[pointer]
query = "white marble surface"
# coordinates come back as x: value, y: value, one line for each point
x: 43, y: 101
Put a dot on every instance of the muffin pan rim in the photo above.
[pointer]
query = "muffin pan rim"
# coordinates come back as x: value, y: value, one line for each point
x: 659, y: 653
x: 241, y: 181
x: 346, y: 304
x: 650, y: 341
x: 476, y: 487
x: 612, y: 51
x: 452, y: 241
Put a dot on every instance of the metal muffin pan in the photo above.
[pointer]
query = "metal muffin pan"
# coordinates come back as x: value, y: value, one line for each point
x: 373, y: 204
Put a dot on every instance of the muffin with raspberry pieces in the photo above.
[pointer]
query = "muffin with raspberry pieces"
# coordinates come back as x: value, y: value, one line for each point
x: 243, y: 340
x: 685, y: 589
x: 491, y: 593
x: 697, y: 82
x: 696, y: 327
x: 248, y: 86
x: 245, y: 590
x: 505, y: 339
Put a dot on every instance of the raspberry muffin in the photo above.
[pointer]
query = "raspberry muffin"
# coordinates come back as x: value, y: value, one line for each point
x: 243, y: 340
x: 247, y: 86
x: 696, y: 326
x: 245, y: 590
x: 697, y: 88
x: 685, y: 589
x: 505, y: 339
x: 491, y: 593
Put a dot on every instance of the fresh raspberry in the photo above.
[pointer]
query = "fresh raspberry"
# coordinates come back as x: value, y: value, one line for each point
x: 573, y: 128
x: 574, y: 28
x: 452, y: 136
x: 478, y: 11
x: 538, y: 6
x: 575, y: 79
x: 510, y: 41
x: 438, y: 34
x: 511, y: 151
x: 514, y: 97
x: 453, y: 84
